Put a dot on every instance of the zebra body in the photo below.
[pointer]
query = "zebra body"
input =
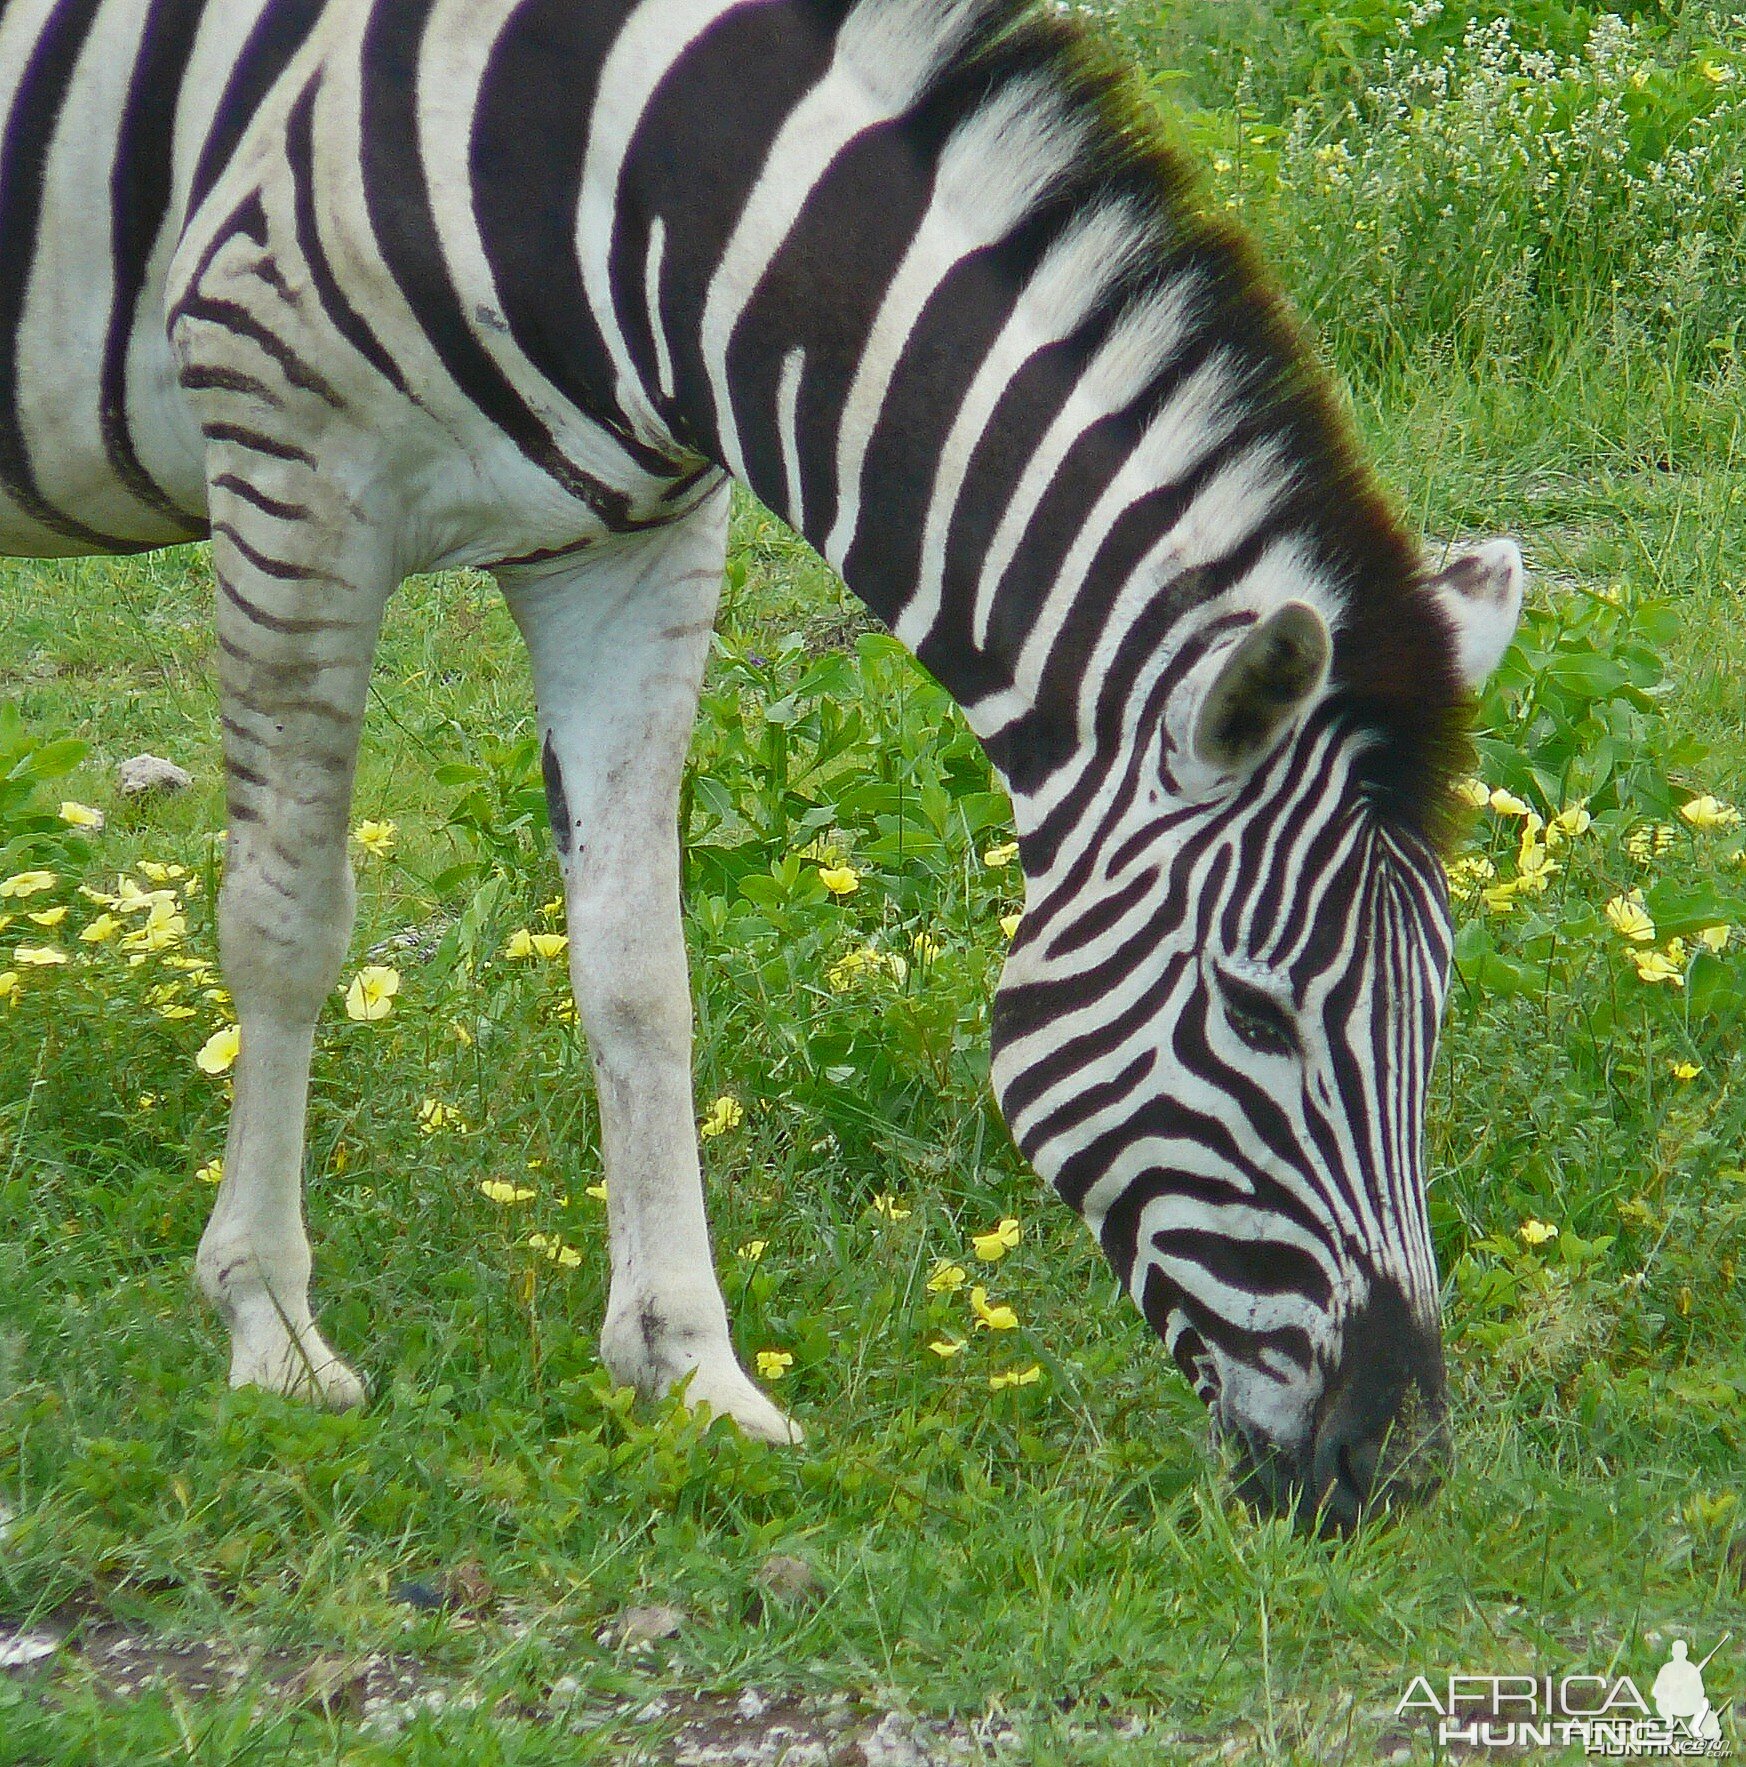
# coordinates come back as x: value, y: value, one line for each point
x: 367, y: 287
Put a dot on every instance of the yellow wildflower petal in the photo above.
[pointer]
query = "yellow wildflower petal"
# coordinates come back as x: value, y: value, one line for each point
x: 752, y: 1250
x: 1715, y: 937
x: 49, y: 916
x: 725, y: 1114
x: 219, y: 1051
x: 773, y: 1364
x: 11, y: 988
x: 1703, y: 812
x: 597, y: 1191
x: 212, y: 1172
x: 39, y: 956
x: 1532, y: 1232
x: 840, y: 880
x: 28, y: 883
x: 992, y: 1246
x: 996, y: 1318
x: 498, y: 1190
x: 371, y: 994
x: 1573, y: 820
x: 101, y: 930
x: 997, y: 858
x: 1473, y: 792
x: 947, y: 1277
x: 887, y: 1205
x: 1016, y: 1377
x: 376, y: 838
x: 946, y: 1348
x: 1686, y: 1070
x: 520, y: 943
x: 549, y: 944
x: 1630, y: 919
x: 1658, y: 966
x: 1506, y: 803
x: 77, y: 815
x: 1009, y: 925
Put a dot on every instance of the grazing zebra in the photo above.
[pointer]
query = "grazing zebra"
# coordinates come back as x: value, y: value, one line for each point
x: 367, y: 287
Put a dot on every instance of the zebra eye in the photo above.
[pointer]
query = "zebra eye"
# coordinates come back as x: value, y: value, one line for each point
x: 1258, y: 1019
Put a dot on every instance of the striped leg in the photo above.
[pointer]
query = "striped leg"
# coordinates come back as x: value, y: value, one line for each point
x: 618, y: 643
x: 296, y: 632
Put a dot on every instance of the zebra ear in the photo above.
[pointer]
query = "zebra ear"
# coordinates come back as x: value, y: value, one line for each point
x: 1266, y: 681
x: 1480, y: 593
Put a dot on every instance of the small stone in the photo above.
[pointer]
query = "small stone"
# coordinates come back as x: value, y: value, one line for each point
x: 643, y: 1625
x: 140, y: 774
x: 20, y: 1649
x: 417, y: 1595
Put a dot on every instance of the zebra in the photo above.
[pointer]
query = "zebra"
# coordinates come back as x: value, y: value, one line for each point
x: 362, y: 288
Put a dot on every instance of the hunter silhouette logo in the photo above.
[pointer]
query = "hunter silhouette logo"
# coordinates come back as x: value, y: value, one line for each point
x: 1602, y: 1714
x: 1679, y: 1695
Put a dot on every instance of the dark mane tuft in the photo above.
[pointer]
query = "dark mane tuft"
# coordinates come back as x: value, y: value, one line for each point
x: 1394, y: 670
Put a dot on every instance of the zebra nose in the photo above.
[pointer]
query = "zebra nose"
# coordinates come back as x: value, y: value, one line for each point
x: 1381, y: 1437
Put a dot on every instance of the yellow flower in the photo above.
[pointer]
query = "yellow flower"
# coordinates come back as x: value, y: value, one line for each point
x: 555, y: 906
x: 524, y: 943
x: 1704, y: 812
x: 1500, y: 898
x: 39, y: 956
x: 49, y: 916
x: 566, y: 1257
x: 992, y: 1246
x: 840, y: 880
x: 1017, y: 1377
x: 1534, y: 1232
x: 1686, y: 1070
x: 28, y: 883
x: 102, y: 929
x: 498, y: 1190
x: 212, y: 1172
x: 434, y: 1115
x: 1506, y: 803
x: 1534, y: 867
x: 946, y: 1348
x: 925, y: 946
x: 1718, y: 73
x: 371, y: 995
x: 11, y: 988
x: 148, y: 1101
x: 867, y: 960
x: 887, y: 1205
x: 162, y: 874
x: 773, y: 1364
x: 219, y: 1051
x: 1715, y: 937
x: 163, y: 929
x: 77, y: 815
x: 1630, y: 919
x: 725, y: 1114
x: 999, y: 857
x: 752, y: 1250
x: 597, y: 1191
x: 1009, y: 925
x: 947, y: 1277
x: 1659, y: 966
x: 996, y: 1318
x: 1473, y: 792
x: 1571, y: 821
x: 376, y: 838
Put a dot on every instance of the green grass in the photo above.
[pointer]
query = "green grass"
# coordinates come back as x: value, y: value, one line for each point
x: 1064, y: 1553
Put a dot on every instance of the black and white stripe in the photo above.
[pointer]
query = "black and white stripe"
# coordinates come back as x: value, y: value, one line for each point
x: 374, y: 286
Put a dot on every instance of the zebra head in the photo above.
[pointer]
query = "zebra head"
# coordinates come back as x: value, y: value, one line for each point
x: 1214, y: 1037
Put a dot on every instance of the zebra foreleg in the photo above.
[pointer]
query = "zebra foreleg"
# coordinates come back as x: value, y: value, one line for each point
x: 618, y: 641
x: 296, y: 632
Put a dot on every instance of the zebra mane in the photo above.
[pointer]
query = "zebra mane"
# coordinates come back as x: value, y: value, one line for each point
x: 1394, y: 674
